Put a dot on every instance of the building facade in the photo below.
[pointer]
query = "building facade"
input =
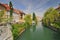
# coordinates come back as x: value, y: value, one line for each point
x: 17, y: 14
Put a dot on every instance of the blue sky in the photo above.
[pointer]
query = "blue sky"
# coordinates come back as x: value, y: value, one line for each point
x: 30, y: 6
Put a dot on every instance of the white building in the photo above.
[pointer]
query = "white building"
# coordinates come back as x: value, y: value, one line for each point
x: 17, y: 14
x: 5, y: 31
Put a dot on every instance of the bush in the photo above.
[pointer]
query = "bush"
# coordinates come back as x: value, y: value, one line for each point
x: 51, y: 16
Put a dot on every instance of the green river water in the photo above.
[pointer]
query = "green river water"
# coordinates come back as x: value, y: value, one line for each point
x: 39, y: 33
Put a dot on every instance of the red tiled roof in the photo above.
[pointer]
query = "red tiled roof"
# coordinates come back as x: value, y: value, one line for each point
x: 58, y: 8
x: 7, y: 7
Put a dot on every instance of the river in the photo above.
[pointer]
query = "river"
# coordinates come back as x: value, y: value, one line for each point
x: 39, y: 33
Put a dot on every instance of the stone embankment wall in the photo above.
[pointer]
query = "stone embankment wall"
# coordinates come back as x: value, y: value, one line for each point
x: 5, y: 33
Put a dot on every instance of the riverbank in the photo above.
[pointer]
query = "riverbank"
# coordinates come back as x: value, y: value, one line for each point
x: 21, y: 32
x: 40, y: 33
x: 51, y: 27
x: 5, y: 32
x: 17, y: 29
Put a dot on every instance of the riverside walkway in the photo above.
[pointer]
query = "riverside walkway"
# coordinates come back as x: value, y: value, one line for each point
x: 5, y: 33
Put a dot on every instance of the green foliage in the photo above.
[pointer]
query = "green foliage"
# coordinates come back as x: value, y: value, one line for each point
x: 28, y: 19
x: 56, y: 25
x: 34, y: 18
x: 11, y: 9
x: 1, y: 15
x: 16, y: 29
x: 48, y: 11
x: 51, y: 16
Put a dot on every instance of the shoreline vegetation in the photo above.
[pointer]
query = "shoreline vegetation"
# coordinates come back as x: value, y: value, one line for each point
x: 51, y: 27
x: 51, y: 19
x: 17, y: 28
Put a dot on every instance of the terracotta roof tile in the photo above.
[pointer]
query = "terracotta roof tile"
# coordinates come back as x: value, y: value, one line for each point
x: 7, y: 7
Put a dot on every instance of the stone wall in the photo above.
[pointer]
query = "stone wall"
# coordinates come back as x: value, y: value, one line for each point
x: 5, y: 33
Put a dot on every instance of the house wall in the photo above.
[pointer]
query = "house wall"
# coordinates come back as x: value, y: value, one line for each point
x: 15, y: 16
x: 1, y: 7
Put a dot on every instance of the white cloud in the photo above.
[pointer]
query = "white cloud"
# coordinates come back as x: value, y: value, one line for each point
x: 33, y: 5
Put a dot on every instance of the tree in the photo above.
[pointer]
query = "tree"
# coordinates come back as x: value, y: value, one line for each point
x: 28, y: 19
x: 11, y: 9
x: 34, y: 18
x: 51, y: 16
x: 49, y: 11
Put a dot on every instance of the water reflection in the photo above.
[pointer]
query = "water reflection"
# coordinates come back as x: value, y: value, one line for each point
x: 56, y: 36
x: 34, y: 27
x: 39, y: 33
x: 28, y: 35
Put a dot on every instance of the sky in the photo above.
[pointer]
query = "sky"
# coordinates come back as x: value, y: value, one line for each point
x: 30, y: 6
